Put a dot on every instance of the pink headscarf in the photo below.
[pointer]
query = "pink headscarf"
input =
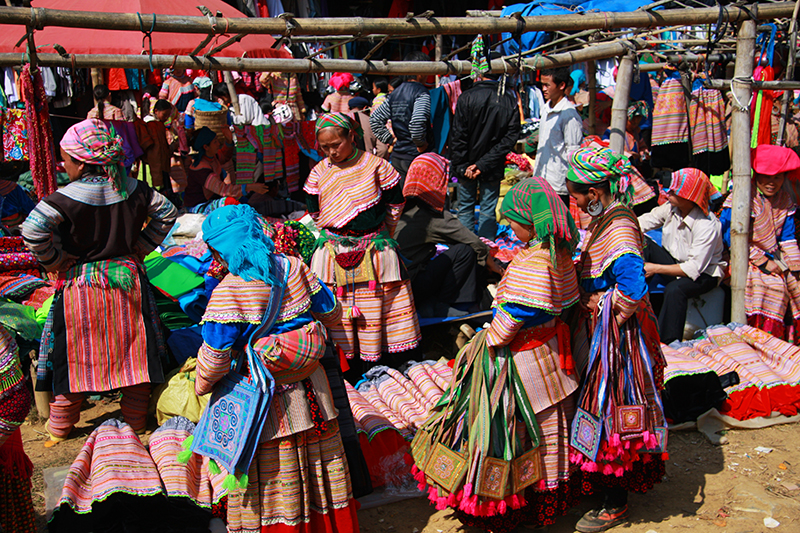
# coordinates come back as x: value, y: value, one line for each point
x: 92, y: 142
x: 771, y: 160
x: 340, y: 79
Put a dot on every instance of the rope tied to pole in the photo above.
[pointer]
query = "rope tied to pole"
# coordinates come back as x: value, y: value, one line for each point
x: 148, y: 36
x: 737, y: 104
x: 36, y: 23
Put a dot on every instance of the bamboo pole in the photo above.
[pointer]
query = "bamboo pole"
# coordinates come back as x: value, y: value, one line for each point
x: 740, y: 149
x: 41, y: 17
x: 787, y: 95
x: 232, y: 92
x: 762, y: 85
x: 438, y: 52
x: 459, y: 68
x: 591, y: 81
x: 619, y: 108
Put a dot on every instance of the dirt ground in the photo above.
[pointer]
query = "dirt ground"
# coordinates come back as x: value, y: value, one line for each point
x: 720, y: 489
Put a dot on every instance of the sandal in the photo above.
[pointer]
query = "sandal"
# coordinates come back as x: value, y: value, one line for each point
x: 602, y: 519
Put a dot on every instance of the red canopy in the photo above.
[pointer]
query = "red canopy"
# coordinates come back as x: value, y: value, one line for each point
x: 85, y: 41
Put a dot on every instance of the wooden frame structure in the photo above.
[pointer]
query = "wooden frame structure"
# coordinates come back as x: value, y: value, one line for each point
x: 582, y: 45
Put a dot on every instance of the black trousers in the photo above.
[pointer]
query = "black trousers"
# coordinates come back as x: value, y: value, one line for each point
x: 678, y: 290
x: 450, y: 278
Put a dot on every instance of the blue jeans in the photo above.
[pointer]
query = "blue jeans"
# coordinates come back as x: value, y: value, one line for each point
x: 467, y: 193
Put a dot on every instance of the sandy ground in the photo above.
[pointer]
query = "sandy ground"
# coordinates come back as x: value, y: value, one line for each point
x: 720, y: 489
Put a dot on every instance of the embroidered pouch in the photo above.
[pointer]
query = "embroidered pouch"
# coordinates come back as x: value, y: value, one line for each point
x: 421, y: 447
x: 446, y: 467
x: 493, y: 482
x: 362, y: 272
x: 586, y: 433
x: 662, y: 433
x: 629, y: 419
x: 526, y: 470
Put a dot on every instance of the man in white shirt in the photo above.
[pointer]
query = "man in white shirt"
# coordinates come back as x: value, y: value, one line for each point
x: 690, y: 255
x: 249, y: 110
x: 560, y: 131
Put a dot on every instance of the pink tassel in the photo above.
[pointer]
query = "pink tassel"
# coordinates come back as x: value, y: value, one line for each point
x: 452, y: 501
x: 339, y: 292
x: 472, y: 508
x: 502, y: 507
x: 647, y: 458
x: 421, y: 486
x: 608, y: 470
x: 589, y: 466
x: 414, y: 469
x: 618, y: 470
x: 665, y: 456
x: 356, y: 312
x: 516, y: 502
x: 373, y: 285
x: 467, y: 490
x: 492, y: 509
x: 441, y: 504
x: 615, y: 440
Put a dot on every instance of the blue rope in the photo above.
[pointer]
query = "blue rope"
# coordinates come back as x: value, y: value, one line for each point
x: 148, y: 35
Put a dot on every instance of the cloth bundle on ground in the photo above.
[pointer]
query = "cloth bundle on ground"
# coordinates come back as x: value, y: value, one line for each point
x: 768, y: 369
x: 115, y: 485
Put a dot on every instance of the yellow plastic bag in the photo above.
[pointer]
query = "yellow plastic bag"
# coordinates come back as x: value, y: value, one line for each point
x: 176, y: 397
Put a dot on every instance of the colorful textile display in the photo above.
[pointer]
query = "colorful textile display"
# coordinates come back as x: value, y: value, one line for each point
x: 40, y: 134
x: 272, y: 152
x: 248, y: 146
x: 669, y: 116
x: 768, y: 369
x: 707, y: 120
x: 291, y: 156
x: 15, y: 135
x: 761, y: 108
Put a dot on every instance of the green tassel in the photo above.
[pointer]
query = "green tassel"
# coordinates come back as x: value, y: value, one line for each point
x: 243, y: 482
x: 184, y: 456
x: 229, y: 483
x: 213, y: 467
x: 187, y: 442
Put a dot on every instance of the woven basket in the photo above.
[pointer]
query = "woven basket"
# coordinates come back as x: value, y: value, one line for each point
x: 216, y: 121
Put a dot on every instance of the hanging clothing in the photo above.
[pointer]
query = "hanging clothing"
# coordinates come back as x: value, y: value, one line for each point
x: 285, y: 90
x: 670, y: 137
x: 40, y: 133
x: 441, y: 115
x: 15, y: 135
x: 709, y: 134
x: 761, y: 108
x: 291, y: 156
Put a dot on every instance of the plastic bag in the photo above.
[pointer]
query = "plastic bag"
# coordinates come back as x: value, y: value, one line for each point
x: 176, y: 397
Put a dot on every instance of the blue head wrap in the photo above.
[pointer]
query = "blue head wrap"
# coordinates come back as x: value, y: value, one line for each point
x: 239, y: 234
x: 578, y: 77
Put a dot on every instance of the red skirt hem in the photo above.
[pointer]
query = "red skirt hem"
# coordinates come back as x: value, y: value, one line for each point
x: 343, y: 520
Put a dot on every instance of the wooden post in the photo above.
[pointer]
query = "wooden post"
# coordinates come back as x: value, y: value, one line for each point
x: 787, y: 95
x: 740, y: 149
x: 438, y: 52
x: 591, y: 80
x: 619, y: 109
x: 97, y: 76
x: 232, y: 92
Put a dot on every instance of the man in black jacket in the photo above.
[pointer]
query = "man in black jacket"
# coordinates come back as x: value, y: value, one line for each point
x: 485, y: 128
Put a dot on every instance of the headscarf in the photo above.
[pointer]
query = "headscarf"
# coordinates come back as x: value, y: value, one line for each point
x: 532, y: 142
x: 202, y: 137
x: 578, y: 77
x: 202, y: 82
x: 239, y: 234
x: 533, y: 201
x: 427, y: 180
x: 592, y: 166
x: 771, y: 160
x: 338, y: 119
x: 693, y: 185
x: 638, y: 108
x: 91, y: 141
x: 340, y: 79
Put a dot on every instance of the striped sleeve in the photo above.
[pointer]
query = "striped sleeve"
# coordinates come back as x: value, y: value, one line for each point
x: 420, y: 119
x: 38, y: 231
x: 503, y: 328
x: 162, y: 214
x: 378, y: 120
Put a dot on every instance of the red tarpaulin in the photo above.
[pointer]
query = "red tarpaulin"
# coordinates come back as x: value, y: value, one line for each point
x: 86, y: 41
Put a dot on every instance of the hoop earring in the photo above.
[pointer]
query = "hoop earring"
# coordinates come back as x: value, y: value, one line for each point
x: 595, y: 208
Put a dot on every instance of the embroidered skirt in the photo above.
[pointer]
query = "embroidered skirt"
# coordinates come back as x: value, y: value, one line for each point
x: 298, y: 483
x: 766, y: 298
x: 378, y: 315
x: 94, y: 354
x: 16, y: 504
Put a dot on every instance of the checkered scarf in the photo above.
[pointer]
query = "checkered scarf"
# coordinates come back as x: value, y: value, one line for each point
x: 593, y: 166
x: 92, y: 142
x: 533, y: 201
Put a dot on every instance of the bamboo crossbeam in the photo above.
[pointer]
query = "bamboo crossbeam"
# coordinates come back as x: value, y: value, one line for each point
x: 39, y: 18
x: 442, y: 68
x: 765, y: 85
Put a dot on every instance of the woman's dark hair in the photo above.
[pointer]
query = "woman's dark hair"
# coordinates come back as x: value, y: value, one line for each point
x: 382, y: 84
x: 152, y: 90
x: 221, y: 90
x: 205, y: 93
x: 417, y: 55
x: 89, y: 170
x: 100, y: 92
x: 266, y: 103
x: 162, y: 105
x: 395, y: 82
x: 583, y: 188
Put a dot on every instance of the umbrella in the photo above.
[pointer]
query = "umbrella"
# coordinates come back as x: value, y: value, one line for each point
x: 90, y: 41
